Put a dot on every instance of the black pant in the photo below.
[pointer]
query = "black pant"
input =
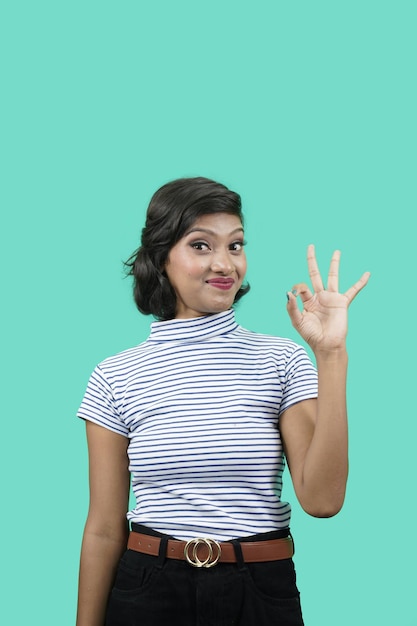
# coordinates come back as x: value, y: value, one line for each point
x: 156, y: 591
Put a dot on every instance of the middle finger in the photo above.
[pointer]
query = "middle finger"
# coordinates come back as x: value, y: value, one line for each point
x: 313, y: 269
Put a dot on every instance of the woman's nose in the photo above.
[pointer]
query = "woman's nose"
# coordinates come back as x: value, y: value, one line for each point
x: 222, y: 262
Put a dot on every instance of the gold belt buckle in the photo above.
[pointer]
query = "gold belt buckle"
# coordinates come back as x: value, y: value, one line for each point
x: 191, y: 552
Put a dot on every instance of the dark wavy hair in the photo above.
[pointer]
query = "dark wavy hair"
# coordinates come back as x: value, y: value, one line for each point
x: 171, y: 212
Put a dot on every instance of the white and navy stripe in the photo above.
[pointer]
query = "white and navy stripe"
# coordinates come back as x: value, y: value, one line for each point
x: 200, y: 401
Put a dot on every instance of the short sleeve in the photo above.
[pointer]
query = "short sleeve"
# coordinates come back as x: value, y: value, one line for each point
x: 300, y: 379
x: 99, y: 405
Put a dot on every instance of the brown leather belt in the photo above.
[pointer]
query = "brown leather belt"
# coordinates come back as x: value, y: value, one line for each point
x: 204, y: 552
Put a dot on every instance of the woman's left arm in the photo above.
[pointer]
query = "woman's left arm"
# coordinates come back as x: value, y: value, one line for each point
x: 314, y: 432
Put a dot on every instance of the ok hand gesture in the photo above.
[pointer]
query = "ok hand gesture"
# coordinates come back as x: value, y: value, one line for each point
x: 323, y: 321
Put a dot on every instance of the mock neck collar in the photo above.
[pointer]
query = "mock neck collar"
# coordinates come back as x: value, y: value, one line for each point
x: 194, y: 329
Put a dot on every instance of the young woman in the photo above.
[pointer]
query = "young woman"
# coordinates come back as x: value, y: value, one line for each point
x: 200, y: 417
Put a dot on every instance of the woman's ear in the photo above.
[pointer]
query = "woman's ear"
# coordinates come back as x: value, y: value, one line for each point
x: 162, y: 268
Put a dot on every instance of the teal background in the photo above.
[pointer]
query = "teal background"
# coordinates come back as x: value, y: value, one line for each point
x: 308, y: 109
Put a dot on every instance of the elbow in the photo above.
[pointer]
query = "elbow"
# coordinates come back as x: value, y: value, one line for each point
x: 323, y: 512
x: 325, y: 507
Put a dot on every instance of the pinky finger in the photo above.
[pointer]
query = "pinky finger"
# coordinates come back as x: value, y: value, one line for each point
x: 357, y: 287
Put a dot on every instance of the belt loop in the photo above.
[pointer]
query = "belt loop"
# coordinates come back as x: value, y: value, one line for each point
x: 162, y: 552
x: 292, y: 539
x: 239, y: 555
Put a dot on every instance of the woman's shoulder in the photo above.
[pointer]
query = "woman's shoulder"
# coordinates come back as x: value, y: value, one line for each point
x: 124, y: 358
x: 266, y: 340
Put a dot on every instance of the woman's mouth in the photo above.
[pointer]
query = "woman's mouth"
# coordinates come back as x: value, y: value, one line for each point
x: 221, y: 283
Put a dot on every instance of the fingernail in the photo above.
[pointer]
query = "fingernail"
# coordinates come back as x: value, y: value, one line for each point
x: 288, y: 297
x: 294, y: 292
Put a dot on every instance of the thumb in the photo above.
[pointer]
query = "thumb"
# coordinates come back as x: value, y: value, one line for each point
x: 293, y: 310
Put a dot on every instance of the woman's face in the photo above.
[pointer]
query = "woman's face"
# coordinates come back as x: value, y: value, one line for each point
x: 206, y: 267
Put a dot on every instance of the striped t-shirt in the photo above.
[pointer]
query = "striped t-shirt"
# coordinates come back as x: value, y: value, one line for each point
x: 200, y: 402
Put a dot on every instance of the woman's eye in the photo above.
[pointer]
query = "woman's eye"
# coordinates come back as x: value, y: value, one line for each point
x: 237, y: 246
x: 200, y: 245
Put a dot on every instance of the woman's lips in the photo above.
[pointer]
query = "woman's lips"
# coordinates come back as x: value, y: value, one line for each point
x: 221, y: 283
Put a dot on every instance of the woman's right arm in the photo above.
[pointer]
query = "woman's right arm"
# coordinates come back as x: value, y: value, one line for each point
x: 105, y: 533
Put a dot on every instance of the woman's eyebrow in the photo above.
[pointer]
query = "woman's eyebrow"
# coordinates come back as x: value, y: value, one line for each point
x: 211, y: 232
